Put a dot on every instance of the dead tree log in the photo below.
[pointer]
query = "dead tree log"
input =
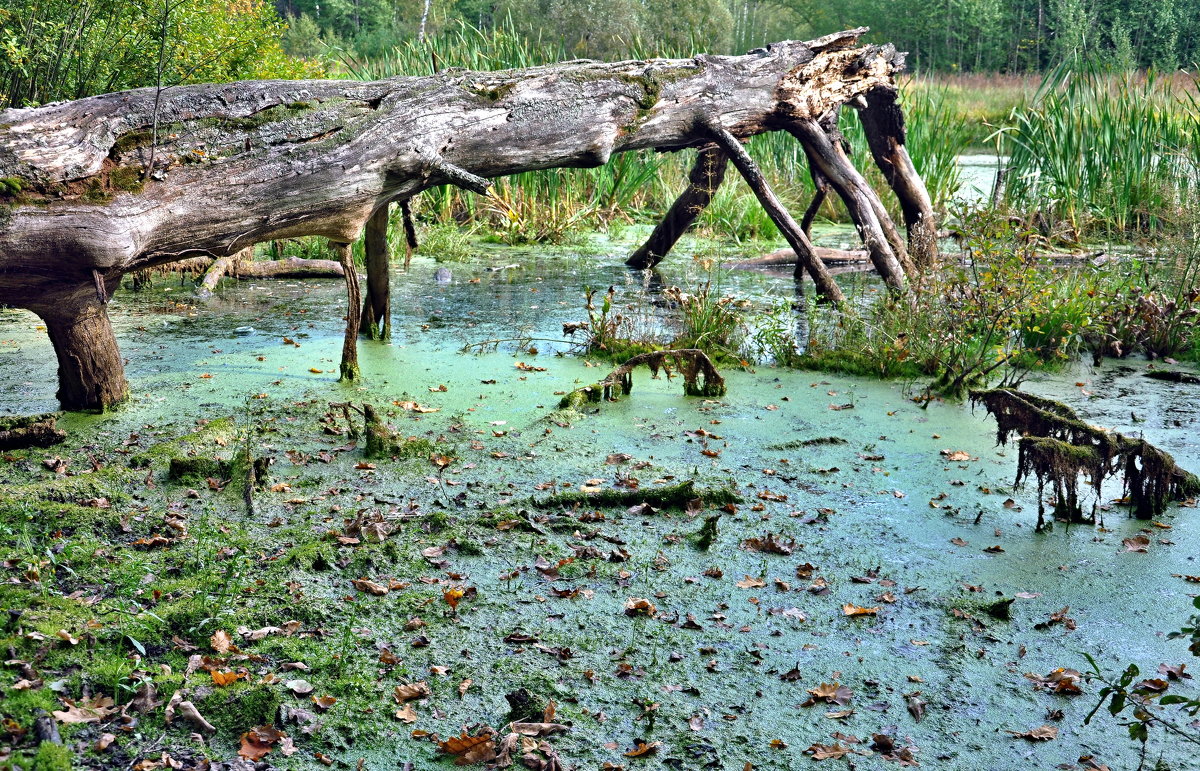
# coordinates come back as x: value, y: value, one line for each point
x: 706, y: 176
x: 91, y: 191
x: 349, y: 367
x: 883, y: 123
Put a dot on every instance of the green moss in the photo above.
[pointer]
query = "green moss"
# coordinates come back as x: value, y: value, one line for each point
x: 131, y: 140
x: 52, y: 757
x: 238, y: 708
x: 127, y: 178
x: 11, y: 186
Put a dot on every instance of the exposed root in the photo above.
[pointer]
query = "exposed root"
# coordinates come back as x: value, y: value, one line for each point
x: 1056, y: 447
x: 678, y: 496
x: 700, y: 377
x: 381, y: 440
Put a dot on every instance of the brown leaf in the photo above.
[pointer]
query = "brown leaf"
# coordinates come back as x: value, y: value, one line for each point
x: 830, y: 693
x: 407, y: 714
x: 638, y: 606
x: 257, y: 742
x: 854, y: 610
x: 370, y: 587
x: 223, y: 679
x: 470, y: 749
x: 1139, y: 543
x: 221, y: 641
x: 410, y: 691
x: 323, y: 703
x: 85, y: 711
x: 827, y: 751
x: 751, y: 583
x: 643, y: 748
x: 1041, y: 734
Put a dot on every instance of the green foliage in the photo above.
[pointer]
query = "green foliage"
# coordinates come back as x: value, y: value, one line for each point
x: 1100, y: 154
x: 67, y: 49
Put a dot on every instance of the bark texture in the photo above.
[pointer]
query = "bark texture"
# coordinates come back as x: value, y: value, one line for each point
x: 238, y: 164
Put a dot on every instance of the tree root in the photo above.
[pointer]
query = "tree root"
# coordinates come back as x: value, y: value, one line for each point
x: 677, y: 496
x: 1056, y: 447
x: 700, y: 377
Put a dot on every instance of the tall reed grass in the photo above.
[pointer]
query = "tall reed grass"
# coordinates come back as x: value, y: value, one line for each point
x: 549, y: 206
x: 1097, y: 154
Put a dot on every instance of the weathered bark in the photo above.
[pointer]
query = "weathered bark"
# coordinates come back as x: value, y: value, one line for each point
x: 703, y: 180
x: 806, y: 256
x: 91, y: 374
x: 883, y: 123
x: 238, y: 164
x: 788, y: 257
x: 376, y: 319
x: 349, y: 368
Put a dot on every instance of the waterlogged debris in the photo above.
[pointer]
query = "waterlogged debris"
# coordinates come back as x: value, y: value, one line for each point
x: 772, y: 543
x: 1138, y: 544
x: 1056, y: 448
x: 700, y: 377
x: 1041, y: 734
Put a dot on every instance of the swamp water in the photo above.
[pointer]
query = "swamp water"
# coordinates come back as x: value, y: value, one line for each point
x: 882, y: 521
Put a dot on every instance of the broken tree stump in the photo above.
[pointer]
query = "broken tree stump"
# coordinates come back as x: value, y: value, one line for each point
x: 94, y: 192
x: 376, y: 320
x: 30, y: 431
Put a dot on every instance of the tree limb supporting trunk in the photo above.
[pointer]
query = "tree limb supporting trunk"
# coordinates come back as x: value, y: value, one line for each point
x: 883, y: 123
x: 806, y: 256
x: 814, y: 206
x: 376, y: 321
x: 410, y: 231
x: 91, y: 374
x: 703, y: 180
x: 349, y: 368
x: 827, y: 156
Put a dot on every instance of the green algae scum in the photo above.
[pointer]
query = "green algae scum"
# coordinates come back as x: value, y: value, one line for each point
x: 451, y: 559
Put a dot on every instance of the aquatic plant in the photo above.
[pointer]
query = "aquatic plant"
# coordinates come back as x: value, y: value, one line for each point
x: 1103, y: 154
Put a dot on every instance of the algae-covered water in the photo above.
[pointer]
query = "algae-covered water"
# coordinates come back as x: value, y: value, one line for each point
x: 881, y: 519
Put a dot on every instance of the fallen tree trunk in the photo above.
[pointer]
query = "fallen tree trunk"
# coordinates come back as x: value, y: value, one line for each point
x: 91, y: 191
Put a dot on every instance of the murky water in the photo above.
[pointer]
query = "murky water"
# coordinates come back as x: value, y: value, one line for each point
x: 879, y: 515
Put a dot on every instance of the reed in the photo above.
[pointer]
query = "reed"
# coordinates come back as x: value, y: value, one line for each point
x: 1098, y: 154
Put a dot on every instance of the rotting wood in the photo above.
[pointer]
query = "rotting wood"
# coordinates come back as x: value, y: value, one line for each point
x: 99, y: 193
x: 349, y: 366
x: 788, y: 257
x: 1056, y: 447
x: 700, y: 376
x: 825, y: 153
x: 215, y: 272
x: 705, y: 177
x: 30, y: 431
x: 883, y: 124
x: 806, y: 256
x: 677, y: 496
x: 410, y: 231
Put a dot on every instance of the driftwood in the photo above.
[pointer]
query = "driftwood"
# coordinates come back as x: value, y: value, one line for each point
x: 706, y: 176
x: 93, y: 192
x: 241, y: 266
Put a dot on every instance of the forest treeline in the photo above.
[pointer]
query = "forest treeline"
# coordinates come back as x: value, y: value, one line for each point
x: 66, y: 49
x: 941, y: 35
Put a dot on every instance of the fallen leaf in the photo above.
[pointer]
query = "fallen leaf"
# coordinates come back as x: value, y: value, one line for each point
x: 1041, y: 734
x: 856, y: 610
x: 410, y: 691
x: 751, y: 583
x: 257, y: 742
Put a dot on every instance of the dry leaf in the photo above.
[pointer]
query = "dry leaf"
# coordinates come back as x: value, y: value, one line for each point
x: 856, y: 610
x: 370, y: 587
x: 411, y: 691
x: 751, y: 583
